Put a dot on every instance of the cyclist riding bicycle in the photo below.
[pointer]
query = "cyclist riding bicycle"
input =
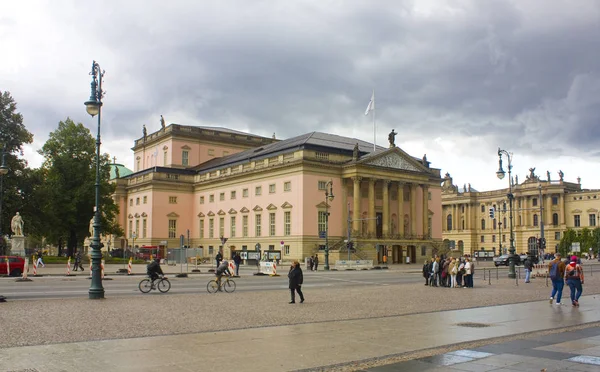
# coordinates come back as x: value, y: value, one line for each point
x: 153, y: 270
x: 223, y: 269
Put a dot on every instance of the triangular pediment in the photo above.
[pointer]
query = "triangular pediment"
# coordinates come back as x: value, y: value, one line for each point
x: 137, y: 215
x: 211, y: 213
x: 323, y: 205
x: 592, y: 210
x: 186, y: 147
x: 257, y: 209
x: 172, y: 214
x: 286, y: 205
x: 232, y: 211
x: 576, y: 211
x: 244, y: 210
x: 221, y: 212
x: 200, y: 214
x: 271, y: 207
x: 395, y: 158
x: 144, y: 214
x: 130, y: 216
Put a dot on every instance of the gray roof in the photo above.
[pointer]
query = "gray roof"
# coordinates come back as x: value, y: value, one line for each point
x: 312, y: 140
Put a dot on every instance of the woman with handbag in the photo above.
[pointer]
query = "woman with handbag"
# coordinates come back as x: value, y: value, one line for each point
x: 574, y: 277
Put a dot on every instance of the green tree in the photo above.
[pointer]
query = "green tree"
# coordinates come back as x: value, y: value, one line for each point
x: 569, y: 236
x: 596, y: 240
x: 70, y: 173
x: 17, y: 184
x: 586, y: 239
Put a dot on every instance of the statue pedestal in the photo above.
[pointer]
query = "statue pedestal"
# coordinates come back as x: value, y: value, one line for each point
x: 17, y: 245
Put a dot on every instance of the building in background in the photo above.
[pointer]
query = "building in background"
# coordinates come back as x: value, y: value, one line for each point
x: 210, y: 183
x: 467, y: 223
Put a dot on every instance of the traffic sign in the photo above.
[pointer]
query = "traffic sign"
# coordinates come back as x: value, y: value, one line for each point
x: 224, y: 240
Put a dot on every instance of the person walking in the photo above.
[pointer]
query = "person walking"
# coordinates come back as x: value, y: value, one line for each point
x: 78, y: 261
x: 311, y: 263
x: 237, y: 260
x: 40, y: 254
x: 556, y: 271
x: 468, y: 274
x: 528, y: 266
x: 316, y: 261
x: 219, y: 258
x: 296, y: 278
x: 574, y: 276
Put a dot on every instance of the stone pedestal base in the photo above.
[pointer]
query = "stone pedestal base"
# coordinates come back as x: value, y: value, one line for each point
x: 17, y: 246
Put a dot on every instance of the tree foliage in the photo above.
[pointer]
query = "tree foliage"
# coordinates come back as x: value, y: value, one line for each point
x: 585, y: 237
x: 69, y: 190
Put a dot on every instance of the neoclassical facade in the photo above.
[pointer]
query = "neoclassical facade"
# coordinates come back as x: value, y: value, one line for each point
x: 213, y: 182
x: 557, y: 204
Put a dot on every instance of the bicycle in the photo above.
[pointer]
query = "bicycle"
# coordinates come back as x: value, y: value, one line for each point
x: 162, y: 284
x: 228, y: 285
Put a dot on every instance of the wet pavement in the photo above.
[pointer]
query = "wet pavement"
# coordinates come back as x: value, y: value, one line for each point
x: 322, y: 344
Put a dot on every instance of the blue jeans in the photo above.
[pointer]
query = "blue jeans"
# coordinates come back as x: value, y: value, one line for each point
x: 527, y: 275
x: 576, y: 288
x: 557, y: 288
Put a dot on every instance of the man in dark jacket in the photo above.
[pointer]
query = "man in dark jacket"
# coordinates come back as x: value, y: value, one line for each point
x: 237, y: 260
x: 219, y: 258
x: 296, y: 278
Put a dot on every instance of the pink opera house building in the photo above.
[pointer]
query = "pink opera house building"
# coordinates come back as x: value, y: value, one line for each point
x: 216, y: 182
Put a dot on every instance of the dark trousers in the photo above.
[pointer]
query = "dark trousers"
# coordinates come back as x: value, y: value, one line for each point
x: 237, y: 269
x: 316, y: 266
x: 293, y: 293
x: 576, y: 288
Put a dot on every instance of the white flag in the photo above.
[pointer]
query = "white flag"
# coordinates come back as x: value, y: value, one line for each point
x: 371, y: 105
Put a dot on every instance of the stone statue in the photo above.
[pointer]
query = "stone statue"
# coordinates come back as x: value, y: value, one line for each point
x: 425, y: 159
x: 548, y: 175
x: 392, y: 138
x: 162, y: 122
x: 579, y: 180
x: 144, y: 131
x: 469, y: 187
x: 117, y: 175
x: 465, y: 187
x: 92, y: 227
x: 561, y: 175
x: 516, y: 180
x: 16, y: 225
x: 532, y: 173
x: 274, y: 135
x: 355, y: 152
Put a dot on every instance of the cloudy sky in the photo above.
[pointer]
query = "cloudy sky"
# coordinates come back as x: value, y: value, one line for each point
x: 455, y: 79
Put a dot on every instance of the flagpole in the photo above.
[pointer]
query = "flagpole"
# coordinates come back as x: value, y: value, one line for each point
x: 374, y: 126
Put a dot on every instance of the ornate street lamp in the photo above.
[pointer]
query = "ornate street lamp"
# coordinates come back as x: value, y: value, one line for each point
x: 328, y: 198
x: 94, y: 107
x: 3, y: 172
x: 512, y: 257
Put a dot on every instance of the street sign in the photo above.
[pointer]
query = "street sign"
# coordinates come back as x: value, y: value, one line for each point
x: 575, y: 247
x: 163, y: 242
x: 224, y: 240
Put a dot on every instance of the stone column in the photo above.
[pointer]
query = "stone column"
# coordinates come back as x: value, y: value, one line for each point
x: 371, y: 222
x: 401, y: 208
x: 345, y: 206
x: 413, y: 209
x: 386, y: 208
x: 425, y: 189
x: 454, y: 217
x: 561, y: 209
x: 467, y: 216
x: 548, y: 218
x: 356, y: 207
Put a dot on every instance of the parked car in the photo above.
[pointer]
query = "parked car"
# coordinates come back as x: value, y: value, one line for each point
x: 501, y: 260
x: 16, y: 264
x: 117, y: 253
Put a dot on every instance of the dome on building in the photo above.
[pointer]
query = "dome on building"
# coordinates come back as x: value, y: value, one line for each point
x: 120, y: 169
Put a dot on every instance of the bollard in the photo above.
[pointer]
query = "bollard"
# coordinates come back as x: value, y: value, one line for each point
x: 517, y: 280
x: 497, y: 273
x: 129, y: 267
x: 69, y: 266
x: 546, y: 279
x: 90, y: 268
x: 102, y: 268
x: 484, y: 275
x: 7, y: 267
x: 34, y: 267
x: 26, y: 268
x: 490, y: 277
x: 519, y: 273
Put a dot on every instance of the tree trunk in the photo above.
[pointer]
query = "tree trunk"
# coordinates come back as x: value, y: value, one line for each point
x: 71, y: 243
x: 60, y: 246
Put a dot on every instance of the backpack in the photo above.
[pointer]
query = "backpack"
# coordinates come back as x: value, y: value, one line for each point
x: 554, y: 270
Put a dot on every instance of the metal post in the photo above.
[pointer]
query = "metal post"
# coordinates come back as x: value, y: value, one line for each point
x: 542, y: 239
x: 500, y: 173
x: 94, y: 107
x: 490, y: 277
x: 328, y: 197
x: 349, y: 231
x: 3, y: 171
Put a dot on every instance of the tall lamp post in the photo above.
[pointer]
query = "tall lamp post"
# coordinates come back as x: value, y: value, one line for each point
x: 542, y: 248
x: 500, y: 174
x: 328, y: 198
x: 94, y: 107
x: 3, y: 171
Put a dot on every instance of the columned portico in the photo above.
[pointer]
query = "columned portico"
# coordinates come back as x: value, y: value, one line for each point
x: 386, y: 208
x: 356, y: 204
x: 413, y: 209
x: 425, y: 189
x: 371, y: 216
x: 401, y: 209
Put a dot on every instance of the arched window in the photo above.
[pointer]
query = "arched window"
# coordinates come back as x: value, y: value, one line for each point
x: 555, y: 219
x: 482, y: 224
x: 449, y: 222
x: 482, y: 208
x: 535, y: 220
x: 504, y: 221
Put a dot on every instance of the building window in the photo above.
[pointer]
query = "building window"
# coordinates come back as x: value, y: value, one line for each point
x: 429, y: 195
x: 482, y: 238
x: 271, y: 224
x: 211, y: 228
x: 504, y: 222
x: 172, y: 200
x: 493, y: 238
x: 244, y: 193
x: 503, y: 238
x: 245, y: 226
x: 534, y: 202
x: 555, y: 219
x: 535, y: 220
x: 222, y: 226
x: 449, y: 222
x: 130, y: 229
x: 137, y: 201
x: 592, y: 220
x: 494, y: 224
x: 172, y: 228
x: 482, y: 224
x: 557, y: 235
x: 130, y: 202
x: 322, y: 185
x: 287, y: 223
x: 257, y: 229
x: 287, y: 186
x: 482, y: 208
x: 555, y: 200
x: 423, y: 250
x: 211, y: 152
x: 232, y: 227
x: 258, y: 190
x: 145, y: 200
x: 165, y: 158
x: 321, y: 221
x: 272, y: 188
x: 201, y: 228
x: 144, y: 227
x: 185, y: 160
x: 211, y: 250
x: 138, y: 165
x: 211, y: 198
x: 137, y: 228
x: 577, y: 220
x: 286, y: 250
x: 222, y: 196
x: 232, y: 195
x: 202, y: 200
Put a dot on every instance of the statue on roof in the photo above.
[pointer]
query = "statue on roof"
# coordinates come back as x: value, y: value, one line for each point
x: 469, y: 187
x: 548, y: 175
x: 162, y: 122
x: 144, y: 131
x: 425, y: 160
x: 117, y: 175
x: 531, y: 173
x: 465, y: 187
x: 392, y: 138
x: 355, y: 152
x: 517, y: 179
x: 561, y: 175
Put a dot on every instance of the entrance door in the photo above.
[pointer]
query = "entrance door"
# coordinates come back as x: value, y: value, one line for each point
x: 412, y: 253
x: 379, y: 225
x: 396, y: 254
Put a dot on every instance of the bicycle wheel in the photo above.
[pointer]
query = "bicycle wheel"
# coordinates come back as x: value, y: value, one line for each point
x: 229, y: 286
x: 212, y: 286
x: 145, y: 285
x: 164, y: 285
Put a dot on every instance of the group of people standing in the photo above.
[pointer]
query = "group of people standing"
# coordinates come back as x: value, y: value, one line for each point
x: 449, y: 272
x: 572, y: 274
x: 313, y: 263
